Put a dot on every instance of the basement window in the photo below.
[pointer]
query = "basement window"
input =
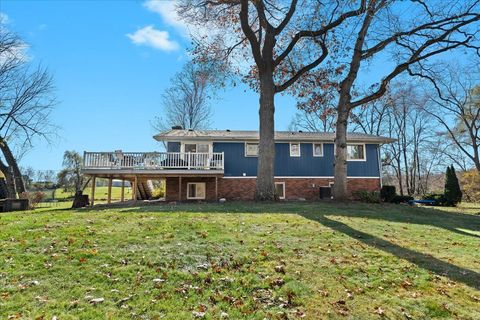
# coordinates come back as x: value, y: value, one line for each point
x: 280, y: 190
x: 196, y: 190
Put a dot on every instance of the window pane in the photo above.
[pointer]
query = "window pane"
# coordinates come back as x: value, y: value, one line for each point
x: 279, y: 190
x: 295, y: 149
x: 355, y: 152
x: 190, y: 148
x: 203, y: 148
x: 252, y: 149
x: 192, y: 191
x: 200, y: 190
x: 317, y: 149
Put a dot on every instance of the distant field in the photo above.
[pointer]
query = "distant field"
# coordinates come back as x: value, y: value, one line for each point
x: 100, y: 193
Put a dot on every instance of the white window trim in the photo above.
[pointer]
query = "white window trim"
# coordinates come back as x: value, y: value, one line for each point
x: 299, y: 149
x: 364, y: 151
x: 360, y: 144
x: 196, y: 183
x: 245, y: 150
x: 183, y: 143
x: 313, y: 149
x: 284, y: 194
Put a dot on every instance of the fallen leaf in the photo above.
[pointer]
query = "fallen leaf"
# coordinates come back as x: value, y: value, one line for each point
x: 379, y: 311
x: 96, y: 301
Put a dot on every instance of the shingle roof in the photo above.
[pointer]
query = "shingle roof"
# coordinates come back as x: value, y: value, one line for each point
x: 245, y: 135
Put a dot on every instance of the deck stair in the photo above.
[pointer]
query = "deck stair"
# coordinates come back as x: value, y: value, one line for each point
x: 144, y: 190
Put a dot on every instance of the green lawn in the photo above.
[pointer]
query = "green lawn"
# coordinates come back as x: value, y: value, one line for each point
x: 101, y: 193
x: 247, y: 260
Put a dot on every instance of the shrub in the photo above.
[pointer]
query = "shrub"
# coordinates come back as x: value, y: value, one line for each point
x: 34, y: 198
x: 387, y: 193
x: 367, y: 196
x: 401, y: 199
x: 471, y: 185
x: 453, y: 194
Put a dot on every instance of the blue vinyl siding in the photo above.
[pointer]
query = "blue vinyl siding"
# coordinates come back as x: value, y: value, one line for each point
x: 236, y: 164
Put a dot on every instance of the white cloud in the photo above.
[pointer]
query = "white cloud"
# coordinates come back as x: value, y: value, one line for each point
x: 167, y: 10
x: 154, y: 38
x: 4, y: 18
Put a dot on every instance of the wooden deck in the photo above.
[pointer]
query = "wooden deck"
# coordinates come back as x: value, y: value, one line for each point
x: 139, y: 167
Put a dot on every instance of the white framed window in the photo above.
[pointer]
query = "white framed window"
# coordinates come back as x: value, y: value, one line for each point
x: 356, y: 152
x: 251, y: 149
x: 196, y: 190
x: 295, y: 149
x: 317, y: 149
x: 193, y: 147
x: 280, y: 190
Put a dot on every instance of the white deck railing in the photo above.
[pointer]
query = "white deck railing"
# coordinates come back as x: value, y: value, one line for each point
x: 153, y: 160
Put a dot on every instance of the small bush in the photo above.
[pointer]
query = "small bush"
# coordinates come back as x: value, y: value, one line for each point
x: 401, y: 199
x: 471, y: 185
x: 367, y: 196
x: 387, y: 193
x: 34, y: 198
x: 453, y: 194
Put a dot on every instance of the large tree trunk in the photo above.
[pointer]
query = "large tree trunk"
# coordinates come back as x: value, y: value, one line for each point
x: 9, y: 181
x: 340, y: 164
x: 265, y: 189
x: 12, y: 163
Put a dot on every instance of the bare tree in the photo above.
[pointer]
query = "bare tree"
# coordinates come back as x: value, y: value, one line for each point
x: 428, y: 30
x: 26, y: 102
x: 186, y: 101
x: 417, y: 154
x: 71, y: 176
x: 455, y: 104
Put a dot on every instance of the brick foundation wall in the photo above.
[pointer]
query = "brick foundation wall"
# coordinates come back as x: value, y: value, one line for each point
x: 172, y: 188
x: 244, y: 188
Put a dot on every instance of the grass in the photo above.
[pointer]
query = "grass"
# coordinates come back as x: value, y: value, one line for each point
x: 101, y: 193
x: 247, y: 260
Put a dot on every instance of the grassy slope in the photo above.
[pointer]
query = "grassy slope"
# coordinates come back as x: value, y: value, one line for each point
x: 349, y: 261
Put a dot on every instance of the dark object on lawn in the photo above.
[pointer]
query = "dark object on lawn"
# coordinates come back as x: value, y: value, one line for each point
x: 13, y: 205
x: 80, y: 200
x: 401, y: 199
x: 437, y: 197
x: 453, y: 194
x: 325, y: 192
x: 425, y: 202
x: 387, y: 193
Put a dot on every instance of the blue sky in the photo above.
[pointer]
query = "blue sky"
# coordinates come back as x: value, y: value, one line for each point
x: 109, y: 87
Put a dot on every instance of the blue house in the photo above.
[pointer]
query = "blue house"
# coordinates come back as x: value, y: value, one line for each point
x: 213, y: 164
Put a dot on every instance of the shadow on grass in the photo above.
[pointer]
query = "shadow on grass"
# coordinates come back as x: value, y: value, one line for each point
x: 425, y: 261
x: 319, y: 212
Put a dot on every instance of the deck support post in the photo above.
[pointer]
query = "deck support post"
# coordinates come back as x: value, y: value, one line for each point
x: 179, y: 188
x: 94, y: 180
x: 122, y: 195
x: 216, y: 188
x: 134, y: 189
x: 109, y: 196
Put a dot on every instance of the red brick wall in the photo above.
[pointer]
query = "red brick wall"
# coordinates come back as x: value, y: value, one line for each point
x: 244, y: 188
x: 172, y: 187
